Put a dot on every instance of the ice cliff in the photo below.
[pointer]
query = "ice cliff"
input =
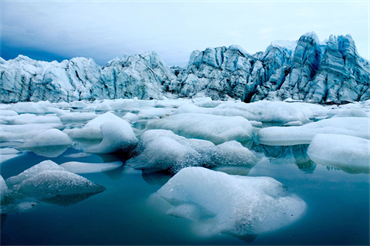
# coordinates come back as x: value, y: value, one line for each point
x: 322, y: 72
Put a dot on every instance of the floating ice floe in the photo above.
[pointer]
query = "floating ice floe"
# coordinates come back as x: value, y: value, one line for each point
x: 49, y: 143
x: 47, y: 179
x: 130, y: 117
x: 24, y: 132
x: 92, y: 128
x: 78, y: 104
x: 104, y: 106
x: 8, y: 153
x: 217, y: 129
x: 27, y: 107
x: 162, y: 149
x: 351, y: 154
x: 7, y: 112
x: 264, y: 111
x: 83, y: 167
x: 154, y: 113
x: 117, y: 137
x: 42, y: 166
x: 234, y: 205
x: 351, y: 126
x: 52, y: 183
x: 351, y: 113
x: 77, y: 117
x: 232, y: 153
x: 33, y: 119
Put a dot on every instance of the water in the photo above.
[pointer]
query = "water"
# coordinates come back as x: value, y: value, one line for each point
x: 337, y: 207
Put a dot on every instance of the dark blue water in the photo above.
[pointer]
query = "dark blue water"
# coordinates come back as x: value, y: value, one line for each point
x: 337, y: 213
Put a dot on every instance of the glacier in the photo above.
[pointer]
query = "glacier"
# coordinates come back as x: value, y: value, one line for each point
x: 330, y: 72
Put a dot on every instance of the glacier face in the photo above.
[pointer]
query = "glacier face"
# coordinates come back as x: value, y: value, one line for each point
x: 307, y: 69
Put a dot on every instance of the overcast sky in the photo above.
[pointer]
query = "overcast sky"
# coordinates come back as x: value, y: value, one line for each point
x: 103, y: 30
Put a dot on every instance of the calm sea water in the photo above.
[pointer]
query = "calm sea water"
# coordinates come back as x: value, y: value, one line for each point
x: 337, y: 213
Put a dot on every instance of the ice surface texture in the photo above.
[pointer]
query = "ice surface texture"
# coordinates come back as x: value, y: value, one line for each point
x: 351, y: 154
x: 229, y: 204
x: 331, y: 72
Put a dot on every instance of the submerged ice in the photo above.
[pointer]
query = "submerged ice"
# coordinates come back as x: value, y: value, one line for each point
x: 234, y: 205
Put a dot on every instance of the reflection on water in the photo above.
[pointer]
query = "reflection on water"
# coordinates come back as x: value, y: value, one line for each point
x: 67, y: 200
x: 49, y: 151
x: 298, y: 153
x: 156, y: 178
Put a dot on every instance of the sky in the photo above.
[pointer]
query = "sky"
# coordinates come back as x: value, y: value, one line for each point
x: 103, y: 30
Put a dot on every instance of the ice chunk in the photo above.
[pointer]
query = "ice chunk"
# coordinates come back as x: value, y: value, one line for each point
x: 232, y: 153
x: 78, y: 104
x: 83, y: 167
x: 229, y: 204
x: 267, y: 111
x: 351, y: 154
x: 51, y: 183
x: 294, y: 123
x: 33, y: 119
x: 130, y: 117
x: 30, y: 172
x: 27, y: 107
x: 351, y: 113
x: 117, y: 137
x: 264, y: 111
x: 154, y: 112
x: 8, y: 153
x: 3, y: 188
x: 104, y: 106
x: 73, y: 117
x: 164, y: 153
x: 50, y: 143
x: 92, y: 129
x: 6, y: 112
x: 162, y: 149
x: 217, y: 129
x: 23, y: 132
x: 351, y: 126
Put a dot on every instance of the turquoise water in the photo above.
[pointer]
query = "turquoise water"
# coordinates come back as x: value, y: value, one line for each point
x: 337, y: 207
